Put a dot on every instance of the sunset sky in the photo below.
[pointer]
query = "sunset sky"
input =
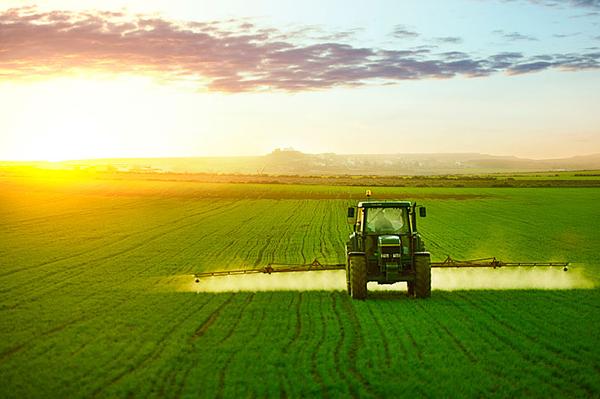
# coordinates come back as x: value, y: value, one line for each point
x: 97, y: 79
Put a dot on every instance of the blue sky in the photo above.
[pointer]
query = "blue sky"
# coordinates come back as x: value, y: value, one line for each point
x: 109, y: 78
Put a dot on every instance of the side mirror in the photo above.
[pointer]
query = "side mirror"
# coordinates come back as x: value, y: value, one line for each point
x: 351, y: 215
x: 422, y: 211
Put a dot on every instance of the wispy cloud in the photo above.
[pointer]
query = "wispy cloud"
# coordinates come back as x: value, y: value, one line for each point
x: 233, y: 55
x: 593, y: 4
x: 590, y: 4
x: 448, y: 39
x: 514, y: 36
x: 565, y: 35
x: 403, y: 32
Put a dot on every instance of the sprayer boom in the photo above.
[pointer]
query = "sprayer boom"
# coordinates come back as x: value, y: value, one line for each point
x: 318, y: 266
x: 268, y: 269
x: 494, y: 263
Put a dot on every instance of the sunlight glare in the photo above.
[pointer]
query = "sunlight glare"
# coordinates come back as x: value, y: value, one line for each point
x: 74, y: 118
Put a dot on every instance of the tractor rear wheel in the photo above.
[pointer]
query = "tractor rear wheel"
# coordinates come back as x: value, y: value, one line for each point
x: 423, y: 275
x: 348, y: 277
x: 411, y: 288
x: 358, y: 277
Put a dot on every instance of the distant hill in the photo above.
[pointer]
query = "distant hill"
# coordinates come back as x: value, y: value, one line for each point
x: 290, y: 162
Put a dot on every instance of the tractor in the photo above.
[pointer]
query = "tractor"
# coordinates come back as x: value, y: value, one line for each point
x: 386, y: 247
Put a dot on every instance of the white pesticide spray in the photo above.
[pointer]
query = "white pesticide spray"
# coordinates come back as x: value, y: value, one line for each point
x: 328, y: 280
x: 441, y: 279
x: 510, y: 278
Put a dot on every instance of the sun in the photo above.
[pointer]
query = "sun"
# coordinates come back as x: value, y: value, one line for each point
x: 74, y: 119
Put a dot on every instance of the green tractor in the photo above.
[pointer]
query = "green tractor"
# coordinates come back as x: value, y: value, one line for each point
x: 386, y: 247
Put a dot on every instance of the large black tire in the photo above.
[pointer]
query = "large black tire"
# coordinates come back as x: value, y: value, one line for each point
x: 348, y: 276
x: 358, y: 277
x: 423, y: 275
x: 410, y: 289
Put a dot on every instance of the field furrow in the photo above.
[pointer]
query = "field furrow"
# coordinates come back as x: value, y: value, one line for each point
x: 97, y: 298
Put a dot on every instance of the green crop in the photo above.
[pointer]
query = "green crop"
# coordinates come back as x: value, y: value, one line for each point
x: 90, y: 304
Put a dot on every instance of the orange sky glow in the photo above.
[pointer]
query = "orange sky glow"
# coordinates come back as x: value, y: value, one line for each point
x: 121, y: 79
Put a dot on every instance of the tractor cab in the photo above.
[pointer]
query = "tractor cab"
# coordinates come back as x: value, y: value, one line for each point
x: 383, y: 218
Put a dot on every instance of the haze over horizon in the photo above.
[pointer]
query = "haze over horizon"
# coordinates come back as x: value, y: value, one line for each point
x: 130, y: 79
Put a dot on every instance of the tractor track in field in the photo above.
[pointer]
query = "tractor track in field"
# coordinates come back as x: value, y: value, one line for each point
x: 298, y: 328
x: 261, y: 251
x: 77, y: 214
x: 341, y: 240
x: 338, y: 348
x: 81, y: 268
x: 17, y: 348
x: 513, y: 330
x: 386, y: 345
x: 414, y: 344
x: 506, y: 341
x: 291, y: 320
x: 238, y: 319
x: 403, y: 346
x: 493, y: 332
x: 355, y: 342
x: 155, y: 353
x: 302, y: 248
x: 138, y: 244
x: 201, y: 330
x: 322, y: 241
x: 457, y: 342
x: 358, y: 341
x: 549, y: 352
x: 296, y: 212
x: 561, y: 298
x: 62, y: 326
x: 314, y: 371
x: 172, y: 377
x: 423, y: 377
x: 553, y: 350
x: 223, y: 371
x: 229, y: 233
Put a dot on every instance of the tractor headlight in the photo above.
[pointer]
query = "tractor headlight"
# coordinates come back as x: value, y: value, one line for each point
x: 385, y: 255
x: 395, y: 255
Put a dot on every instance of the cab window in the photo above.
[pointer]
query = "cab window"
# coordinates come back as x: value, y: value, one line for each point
x: 386, y: 220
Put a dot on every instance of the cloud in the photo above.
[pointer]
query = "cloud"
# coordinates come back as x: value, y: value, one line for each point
x: 565, y: 35
x: 233, y: 55
x: 514, y: 36
x: 593, y: 4
x: 589, y: 4
x: 402, y: 32
x: 449, y: 39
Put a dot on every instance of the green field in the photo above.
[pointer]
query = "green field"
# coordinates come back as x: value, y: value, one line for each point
x: 95, y: 299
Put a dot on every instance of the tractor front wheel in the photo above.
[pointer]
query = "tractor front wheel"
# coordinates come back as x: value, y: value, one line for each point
x: 422, y: 275
x: 358, y: 277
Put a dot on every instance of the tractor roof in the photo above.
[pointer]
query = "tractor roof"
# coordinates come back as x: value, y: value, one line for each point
x: 384, y: 204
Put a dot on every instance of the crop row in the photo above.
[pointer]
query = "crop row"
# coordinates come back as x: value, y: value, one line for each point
x: 319, y: 343
x: 88, y: 306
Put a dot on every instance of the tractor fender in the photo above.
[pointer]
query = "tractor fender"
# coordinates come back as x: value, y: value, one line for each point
x: 352, y: 243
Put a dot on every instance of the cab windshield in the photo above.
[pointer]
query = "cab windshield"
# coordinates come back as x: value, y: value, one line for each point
x: 386, y: 220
